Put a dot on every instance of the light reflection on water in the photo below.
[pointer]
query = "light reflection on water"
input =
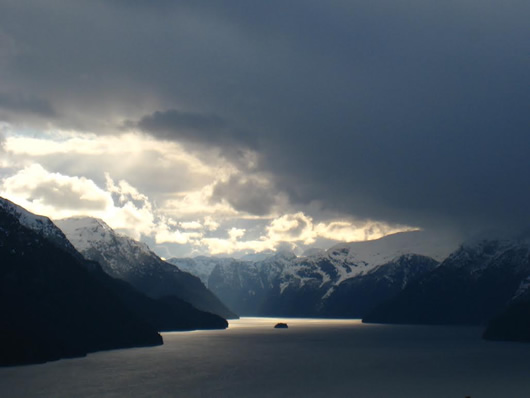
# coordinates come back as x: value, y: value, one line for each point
x: 267, y: 323
x: 313, y: 358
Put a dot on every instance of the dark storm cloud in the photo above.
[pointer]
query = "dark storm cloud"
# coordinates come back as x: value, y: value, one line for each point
x: 194, y: 127
x: 412, y: 112
x: 245, y: 195
x: 25, y: 105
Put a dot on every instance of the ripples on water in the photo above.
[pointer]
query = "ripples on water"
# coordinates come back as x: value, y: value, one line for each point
x: 313, y: 358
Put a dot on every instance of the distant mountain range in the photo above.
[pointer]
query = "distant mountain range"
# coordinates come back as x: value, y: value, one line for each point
x: 477, y: 283
x: 57, y: 304
x: 390, y: 280
x: 344, y: 281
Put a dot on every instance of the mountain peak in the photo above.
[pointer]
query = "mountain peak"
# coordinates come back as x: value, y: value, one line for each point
x: 86, y: 232
x: 79, y: 222
x: 32, y: 221
x: 132, y: 261
x: 40, y: 224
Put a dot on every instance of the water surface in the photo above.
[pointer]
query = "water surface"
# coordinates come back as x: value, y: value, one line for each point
x: 313, y: 358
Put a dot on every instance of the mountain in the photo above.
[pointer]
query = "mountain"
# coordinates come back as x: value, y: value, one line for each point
x: 248, y: 286
x: 126, y: 259
x: 326, y: 287
x: 513, y: 324
x: 52, y: 307
x: 473, y: 285
x: 355, y: 297
x: 168, y: 313
x: 321, y: 283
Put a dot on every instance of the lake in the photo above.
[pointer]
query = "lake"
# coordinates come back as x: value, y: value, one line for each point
x: 313, y: 358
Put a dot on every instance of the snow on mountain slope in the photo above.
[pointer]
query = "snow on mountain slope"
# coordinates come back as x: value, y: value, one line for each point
x: 318, y: 269
x: 470, y: 286
x: 477, y: 257
x: 332, y: 266
x: 40, y: 224
x: 356, y: 296
x: 298, y: 286
x: 119, y: 252
x: 347, y: 260
x: 284, y: 285
x: 86, y: 232
x: 29, y: 220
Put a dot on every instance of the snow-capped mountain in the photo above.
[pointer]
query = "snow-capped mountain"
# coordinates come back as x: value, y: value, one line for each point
x: 124, y: 258
x: 348, y: 260
x: 382, y: 250
x: 356, y: 296
x: 40, y: 224
x: 92, y: 237
x: 475, y: 283
x: 284, y: 284
x: 248, y: 286
x: 52, y: 305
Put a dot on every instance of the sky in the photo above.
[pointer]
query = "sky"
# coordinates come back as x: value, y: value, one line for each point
x: 225, y: 128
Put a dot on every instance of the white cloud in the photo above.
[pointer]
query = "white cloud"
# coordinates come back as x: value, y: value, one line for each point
x: 125, y: 191
x: 56, y: 142
x: 292, y: 228
x: 236, y: 233
x: 45, y: 192
x: 299, y: 232
x: 184, y: 215
x: 233, y: 245
x: 155, y: 166
x: 58, y: 196
x: 164, y: 234
x: 191, y: 225
x: 194, y: 203
x: 359, y: 231
x: 210, y: 223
